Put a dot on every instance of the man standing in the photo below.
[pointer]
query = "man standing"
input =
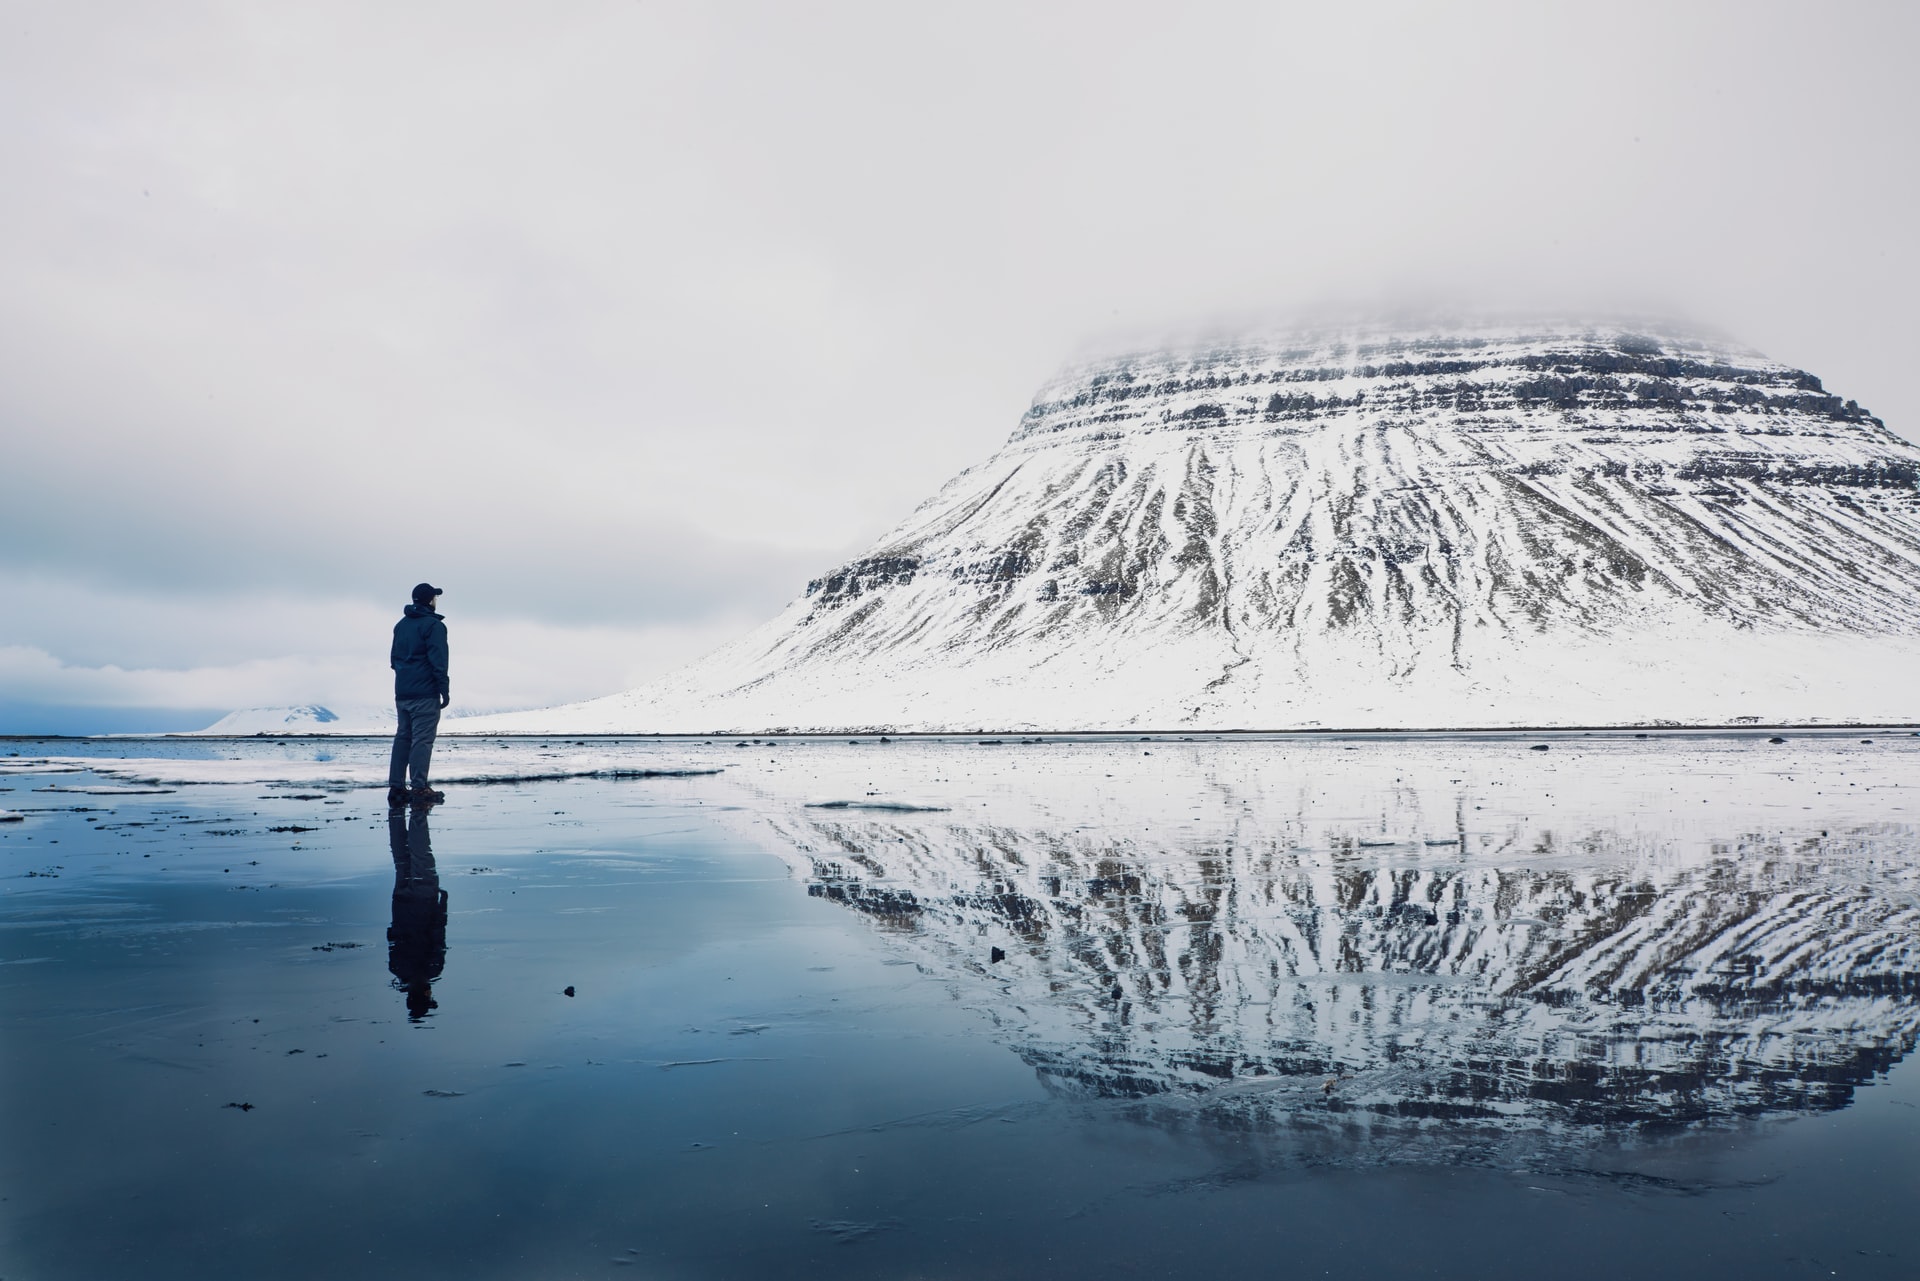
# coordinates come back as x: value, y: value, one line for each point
x: 419, y: 663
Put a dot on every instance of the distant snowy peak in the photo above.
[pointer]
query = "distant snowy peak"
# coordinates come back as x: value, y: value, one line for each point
x: 310, y: 718
x: 1379, y: 527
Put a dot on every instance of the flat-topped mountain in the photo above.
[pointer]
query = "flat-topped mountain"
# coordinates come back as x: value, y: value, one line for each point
x: 1372, y: 528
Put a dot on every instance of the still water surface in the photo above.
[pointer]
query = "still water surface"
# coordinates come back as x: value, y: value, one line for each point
x: 1391, y: 1006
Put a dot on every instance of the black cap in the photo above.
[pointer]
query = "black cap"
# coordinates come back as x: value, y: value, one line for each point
x: 425, y: 592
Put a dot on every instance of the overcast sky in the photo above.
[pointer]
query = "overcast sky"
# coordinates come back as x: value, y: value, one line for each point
x: 620, y: 321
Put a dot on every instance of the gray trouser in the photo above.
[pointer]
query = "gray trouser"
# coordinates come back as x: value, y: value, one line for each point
x: 419, y: 721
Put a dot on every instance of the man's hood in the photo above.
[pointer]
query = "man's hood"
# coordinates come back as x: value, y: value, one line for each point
x: 420, y: 611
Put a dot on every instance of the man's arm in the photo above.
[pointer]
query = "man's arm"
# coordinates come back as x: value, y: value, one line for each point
x: 437, y: 660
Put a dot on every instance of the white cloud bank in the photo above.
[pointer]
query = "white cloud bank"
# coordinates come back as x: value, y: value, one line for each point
x: 625, y: 319
x: 496, y: 665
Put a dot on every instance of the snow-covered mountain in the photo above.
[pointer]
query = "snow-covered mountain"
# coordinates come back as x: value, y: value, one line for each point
x: 1470, y: 525
x: 309, y: 718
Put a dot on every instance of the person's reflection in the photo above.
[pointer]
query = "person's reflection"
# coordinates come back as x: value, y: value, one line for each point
x: 417, y: 939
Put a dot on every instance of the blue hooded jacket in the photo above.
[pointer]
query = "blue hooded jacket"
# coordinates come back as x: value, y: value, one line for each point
x: 419, y: 655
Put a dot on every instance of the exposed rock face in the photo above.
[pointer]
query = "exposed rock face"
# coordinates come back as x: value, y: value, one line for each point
x: 1381, y: 528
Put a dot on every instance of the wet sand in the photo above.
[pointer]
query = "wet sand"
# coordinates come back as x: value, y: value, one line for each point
x: 1368, y: 1007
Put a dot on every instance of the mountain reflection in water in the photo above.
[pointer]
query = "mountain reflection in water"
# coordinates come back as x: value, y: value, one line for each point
x: 1406, y: 997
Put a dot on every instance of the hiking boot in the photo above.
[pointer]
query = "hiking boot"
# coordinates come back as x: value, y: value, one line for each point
x: 425, y: 796
x: 396, y: 797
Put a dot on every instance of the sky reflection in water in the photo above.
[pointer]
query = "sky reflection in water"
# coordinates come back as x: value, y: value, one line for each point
x: 1384, y: 1006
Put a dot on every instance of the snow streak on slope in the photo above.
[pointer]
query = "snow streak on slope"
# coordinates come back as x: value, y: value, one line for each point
x: 1383, y: 528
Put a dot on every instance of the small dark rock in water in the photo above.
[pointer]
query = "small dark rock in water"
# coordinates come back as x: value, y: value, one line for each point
x: 996, y: 956
x: 244, y: 1107
x: 847, y: 1231
x: 293, y: 828
x: 885, y: 739
x: 1539, y: 747
x: 568, y: 991
x: 1776, y: 739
